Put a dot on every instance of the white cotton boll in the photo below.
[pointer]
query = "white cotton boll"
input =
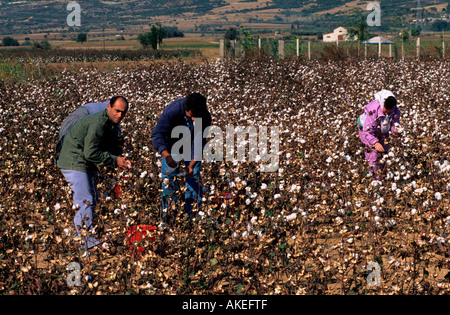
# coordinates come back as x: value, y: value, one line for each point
x: 438, y: 196
x: 391, y: 222
x: 143, y: 174
x: 375, y: 183
x: 263, y: 186
x: 258, y: 233
x: 413, y: 211
x: 292, y: 216
x: 57, y: 206
x: 117, y: 211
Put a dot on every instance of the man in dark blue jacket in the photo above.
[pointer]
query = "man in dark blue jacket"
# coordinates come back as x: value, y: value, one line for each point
x: 178, y: 119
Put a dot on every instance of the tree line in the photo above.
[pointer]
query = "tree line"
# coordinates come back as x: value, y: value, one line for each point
x: 156, y: 35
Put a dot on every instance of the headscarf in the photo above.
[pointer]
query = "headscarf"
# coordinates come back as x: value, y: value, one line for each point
x: 382, y: 96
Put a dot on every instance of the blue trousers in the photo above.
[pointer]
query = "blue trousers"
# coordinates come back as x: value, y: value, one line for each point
x: 194, y: 188
x: 85, y: 196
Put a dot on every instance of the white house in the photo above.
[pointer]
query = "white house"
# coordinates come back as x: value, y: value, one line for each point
x: 339, y: 33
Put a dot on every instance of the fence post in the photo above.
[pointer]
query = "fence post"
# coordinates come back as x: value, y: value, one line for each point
x: 379, y: 47
x: 233, y: 48
x: 443, y: 45
x: 403, y: 51
x: 222, y: 49
x: 298, y: 47
x: 418, y: 47
x: 309, y: 50
x: 443, y: 49
x: 281, y: 49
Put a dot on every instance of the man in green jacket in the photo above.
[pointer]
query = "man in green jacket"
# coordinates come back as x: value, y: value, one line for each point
x: 93, y: 141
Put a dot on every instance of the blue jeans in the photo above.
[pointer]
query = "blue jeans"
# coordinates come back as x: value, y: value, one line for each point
x: 194, y: 188
x: 85, y: 196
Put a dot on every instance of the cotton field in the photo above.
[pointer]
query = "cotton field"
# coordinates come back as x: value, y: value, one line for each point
x: 318, y: 224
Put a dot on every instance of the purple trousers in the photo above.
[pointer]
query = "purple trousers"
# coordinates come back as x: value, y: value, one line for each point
x: 373, y: 156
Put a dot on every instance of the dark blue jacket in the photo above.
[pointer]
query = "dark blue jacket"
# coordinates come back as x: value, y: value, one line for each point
x: 174, y: 115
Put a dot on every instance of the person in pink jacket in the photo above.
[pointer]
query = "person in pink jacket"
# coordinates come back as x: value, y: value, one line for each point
x: 380, y: 117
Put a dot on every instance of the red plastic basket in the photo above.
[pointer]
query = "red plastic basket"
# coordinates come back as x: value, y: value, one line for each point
x: 137, y: 233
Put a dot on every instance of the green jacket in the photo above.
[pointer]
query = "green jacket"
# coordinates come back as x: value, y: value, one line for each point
x: 93, y: 141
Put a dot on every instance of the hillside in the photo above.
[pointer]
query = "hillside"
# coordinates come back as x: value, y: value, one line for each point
x: 29, y: 16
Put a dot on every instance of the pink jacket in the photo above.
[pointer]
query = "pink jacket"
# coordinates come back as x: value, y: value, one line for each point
x: 375, y: 124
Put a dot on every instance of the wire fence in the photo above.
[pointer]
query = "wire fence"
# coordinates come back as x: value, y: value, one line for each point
x: 306, y: 49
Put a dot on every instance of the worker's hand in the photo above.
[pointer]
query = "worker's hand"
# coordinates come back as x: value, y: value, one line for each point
x: 123, y: 162
x: 170, y: 161
x: 379, y: 147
